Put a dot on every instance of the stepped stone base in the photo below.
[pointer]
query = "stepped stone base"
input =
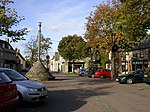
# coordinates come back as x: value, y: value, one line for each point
x: 39, y: 73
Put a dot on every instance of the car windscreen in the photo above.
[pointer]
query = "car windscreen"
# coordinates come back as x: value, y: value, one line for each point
x: 4, y: 79
x: 14, y: 75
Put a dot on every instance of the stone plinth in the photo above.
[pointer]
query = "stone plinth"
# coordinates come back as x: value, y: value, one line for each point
x: 39, y: 73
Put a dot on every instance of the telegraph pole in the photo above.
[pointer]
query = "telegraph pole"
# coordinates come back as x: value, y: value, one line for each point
x: 39, y: 41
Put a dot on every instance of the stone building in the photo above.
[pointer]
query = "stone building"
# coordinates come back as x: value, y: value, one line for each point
x: 58, y: 64
x: 7, y: 54
x: 20, y: 60
x: 138, y: 57
x: 9, y: 57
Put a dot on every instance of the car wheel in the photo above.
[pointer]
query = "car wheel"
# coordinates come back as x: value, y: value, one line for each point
x: 101, y: 76
x: 129, y: 81
x: 20, y: 98
x: 117, y: 79
x: 82, y: 75
x: 92, y: 76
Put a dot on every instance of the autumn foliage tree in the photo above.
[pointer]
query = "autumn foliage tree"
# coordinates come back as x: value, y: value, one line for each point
x: 118, y: 25
x: 101, y: 29
x: 8, y: 19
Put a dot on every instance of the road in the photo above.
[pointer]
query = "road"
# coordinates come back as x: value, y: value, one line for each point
x: 83, y: 94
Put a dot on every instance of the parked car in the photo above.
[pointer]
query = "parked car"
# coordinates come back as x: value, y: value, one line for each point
x: 81, y: 72
x: 104, y: 73
x: 8, y: 94
x: 123, y: 74
x: 132, y: 77
x: 146, y: 78
x: 28, y: 90
x: 84, y: 72
x: 91, y: 71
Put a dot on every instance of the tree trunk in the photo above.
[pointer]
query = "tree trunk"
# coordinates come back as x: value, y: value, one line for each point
x: 120, y: 64
x: 112, y: 64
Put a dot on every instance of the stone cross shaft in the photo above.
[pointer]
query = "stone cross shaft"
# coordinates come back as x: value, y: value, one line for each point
x: 39, y: 41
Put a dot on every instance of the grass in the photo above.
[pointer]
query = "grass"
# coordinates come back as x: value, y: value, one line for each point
x: 72, y: 74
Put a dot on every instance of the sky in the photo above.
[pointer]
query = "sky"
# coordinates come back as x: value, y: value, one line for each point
x: 59, y: 18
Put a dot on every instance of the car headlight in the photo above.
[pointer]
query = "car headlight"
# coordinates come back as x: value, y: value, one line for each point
x: 31, y: 89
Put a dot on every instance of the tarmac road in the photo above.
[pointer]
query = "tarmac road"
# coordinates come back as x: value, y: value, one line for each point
x: 83, y: 94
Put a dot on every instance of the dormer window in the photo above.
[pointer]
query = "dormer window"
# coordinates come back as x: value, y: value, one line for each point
x: 8, y: 47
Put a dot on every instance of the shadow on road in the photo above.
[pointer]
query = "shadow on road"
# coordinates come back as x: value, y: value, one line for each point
x: 69, y: 100
x: 64, y: 100
x: 67, y: 95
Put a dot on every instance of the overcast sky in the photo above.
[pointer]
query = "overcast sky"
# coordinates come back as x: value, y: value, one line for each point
x: 59, y: 18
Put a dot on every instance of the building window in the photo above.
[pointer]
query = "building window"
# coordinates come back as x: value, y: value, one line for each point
x: 141, y: 53
x: 3, y: 45
x: 6, y: 55
x: 1, y: 54
x: 9, y: 55
x: 134, y: 54
x: 138, y: 54
x: 8, y: 47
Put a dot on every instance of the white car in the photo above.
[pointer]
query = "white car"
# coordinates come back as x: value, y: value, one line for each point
x: 28, y: 90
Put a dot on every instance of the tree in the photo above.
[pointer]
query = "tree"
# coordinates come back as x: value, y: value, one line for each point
x: 32, y: 48
x: 134, y: 21
x: 118, y: 25
x: 8, y: 19
x: 101, y: 30
x: 72, y: 48
x: 45, y: 45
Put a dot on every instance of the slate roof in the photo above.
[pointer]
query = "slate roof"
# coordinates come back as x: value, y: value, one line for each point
x: 144, y: 44
x: 6, y: 43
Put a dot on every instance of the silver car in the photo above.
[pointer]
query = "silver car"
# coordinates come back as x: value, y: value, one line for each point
x: 28, y: 90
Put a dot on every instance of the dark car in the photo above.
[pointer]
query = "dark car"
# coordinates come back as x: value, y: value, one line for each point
x: 132, y: 77
x: 119, y: 77
x: 8, y: 94
x: 87, y: 72
x: 91, y: 72
x: 146, y: 78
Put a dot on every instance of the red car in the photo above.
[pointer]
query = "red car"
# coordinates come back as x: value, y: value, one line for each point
x: 101, y: 73
x: 8, y: 94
